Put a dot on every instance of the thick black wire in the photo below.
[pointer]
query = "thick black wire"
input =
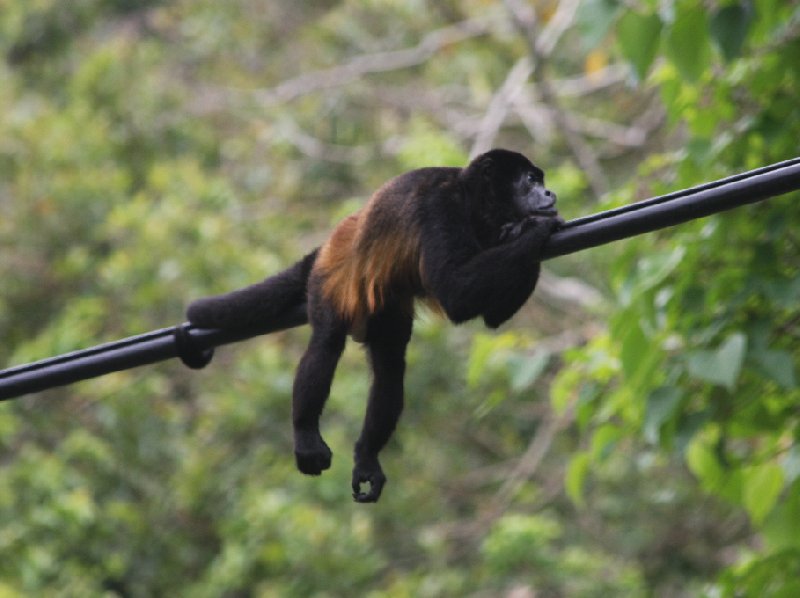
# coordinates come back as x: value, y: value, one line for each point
x: 90, y: 352
x: 678, y: 194
x: 674, y: 208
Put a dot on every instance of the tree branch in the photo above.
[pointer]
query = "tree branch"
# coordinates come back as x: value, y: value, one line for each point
x: 373, y: 63
x: 524, y: 20
x: 499, y: 106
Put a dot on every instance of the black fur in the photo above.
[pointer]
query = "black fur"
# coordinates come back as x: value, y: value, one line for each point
x: 260, y: 306
x: 473, y: 241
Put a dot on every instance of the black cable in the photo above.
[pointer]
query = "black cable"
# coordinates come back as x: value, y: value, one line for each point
x: 678, y: 194
x: 675, y: 208
x: 122, y: 344
x: 194, y: 345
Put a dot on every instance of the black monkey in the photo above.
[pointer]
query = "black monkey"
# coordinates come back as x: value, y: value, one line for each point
x: 465, y: 241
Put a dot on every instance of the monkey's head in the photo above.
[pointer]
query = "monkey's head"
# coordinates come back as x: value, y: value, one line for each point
x: 506, y: 188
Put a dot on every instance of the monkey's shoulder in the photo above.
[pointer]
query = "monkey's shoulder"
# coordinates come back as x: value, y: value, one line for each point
x: 417, y: 186
x: 412, y: 198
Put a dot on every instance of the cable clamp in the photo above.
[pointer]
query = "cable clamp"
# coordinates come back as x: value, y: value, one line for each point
x: 189, y: 353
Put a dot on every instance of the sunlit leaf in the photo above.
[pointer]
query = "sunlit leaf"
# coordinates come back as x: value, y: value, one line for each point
x: 482, y: 348
x: 576, y: 476
x: 595, y: 62
x: 634, y: 348
x: 762, y: 485
x: 704, y: 464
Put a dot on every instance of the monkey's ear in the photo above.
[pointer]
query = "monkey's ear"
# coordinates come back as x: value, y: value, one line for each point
x: 487, y: 169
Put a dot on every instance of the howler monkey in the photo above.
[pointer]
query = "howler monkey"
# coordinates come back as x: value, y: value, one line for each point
x: 466, y: 241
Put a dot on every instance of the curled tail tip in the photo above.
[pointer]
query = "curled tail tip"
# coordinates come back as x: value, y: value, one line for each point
x: 221, y: 311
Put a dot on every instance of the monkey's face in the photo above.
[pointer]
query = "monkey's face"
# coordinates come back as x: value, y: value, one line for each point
x: 531, y: 197
x: 508, y: 189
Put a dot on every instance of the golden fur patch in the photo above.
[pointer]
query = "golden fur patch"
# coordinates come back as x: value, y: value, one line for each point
x: 369, y: 254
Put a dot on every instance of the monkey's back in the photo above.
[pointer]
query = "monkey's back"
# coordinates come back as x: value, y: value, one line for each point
x: 373, y: 257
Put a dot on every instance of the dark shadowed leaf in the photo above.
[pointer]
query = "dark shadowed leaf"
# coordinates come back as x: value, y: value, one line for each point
x: 729, y: 27
x: 779, y: 366
x: 661, y: 406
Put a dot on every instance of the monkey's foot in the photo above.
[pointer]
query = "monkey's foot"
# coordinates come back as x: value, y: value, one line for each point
x: 371, y: 474
x: 311, y: 453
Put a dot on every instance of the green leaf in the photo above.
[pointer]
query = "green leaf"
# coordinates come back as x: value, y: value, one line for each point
x: 791, y: 464
x: 576, y: 476
x: 778, y: 365
x: 482, y: 350
x: 783, y: 292
x: 687, y: 42
x: 703, y: 463
x: 639, y: 36
x: 603, y: 441
x: 526, y: 370
x: 762, y: 486
x: 729, y: 28
x: 687, y: 427
x: 595, y: 18
x: 634, y: 348
x: 721, y: 367
x: 782, y: 527
x: 661, y: 406
x: 654, y: 268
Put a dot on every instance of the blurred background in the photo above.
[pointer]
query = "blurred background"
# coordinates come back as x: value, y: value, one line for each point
x: 633, y: 431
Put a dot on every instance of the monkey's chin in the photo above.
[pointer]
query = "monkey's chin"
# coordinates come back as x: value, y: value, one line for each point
x: 546, y: 213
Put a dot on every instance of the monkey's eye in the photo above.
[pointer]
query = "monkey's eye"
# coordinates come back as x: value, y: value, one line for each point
x: 531, y: 177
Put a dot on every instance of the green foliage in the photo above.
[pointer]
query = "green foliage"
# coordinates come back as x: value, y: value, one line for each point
x: 686, y: 41
x: 706, y: 338
x: 729, y: 27
x: 596, y: 19
x: 647, y: 445
x: 639, y: 37
x: 721, y: 365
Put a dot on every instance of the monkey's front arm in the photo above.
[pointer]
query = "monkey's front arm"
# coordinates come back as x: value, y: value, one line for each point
x: 493, y: 283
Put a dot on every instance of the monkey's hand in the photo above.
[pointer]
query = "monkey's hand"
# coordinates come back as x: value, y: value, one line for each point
x: 368, y: 472
x: 311, y: 453
x: 513, y: 230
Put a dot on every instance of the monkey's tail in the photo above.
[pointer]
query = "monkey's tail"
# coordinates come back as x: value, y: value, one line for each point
x: 258, y: 306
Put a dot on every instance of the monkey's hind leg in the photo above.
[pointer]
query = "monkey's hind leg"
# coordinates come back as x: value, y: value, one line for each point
x: 312, y: 385
x: 388, y: 334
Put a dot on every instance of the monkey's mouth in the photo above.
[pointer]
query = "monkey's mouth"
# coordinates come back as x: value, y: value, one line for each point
x: 545, y: 209
x: 545, y: 212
